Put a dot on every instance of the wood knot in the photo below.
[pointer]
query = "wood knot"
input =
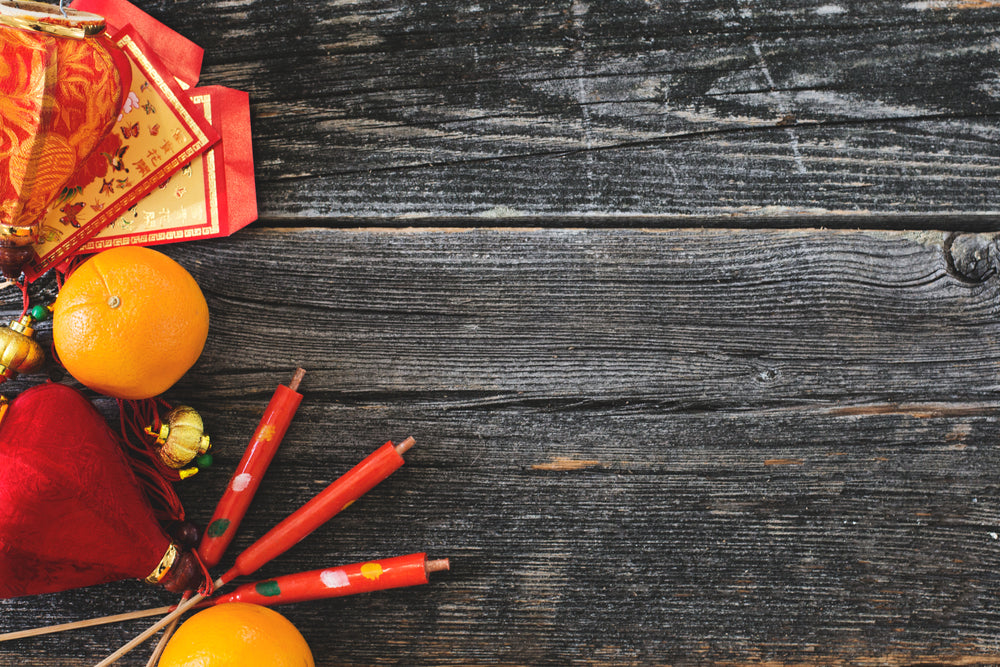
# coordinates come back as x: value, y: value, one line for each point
x: 969, y: 258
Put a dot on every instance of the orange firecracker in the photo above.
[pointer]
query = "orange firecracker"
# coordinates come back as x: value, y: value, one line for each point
x: 61, y: 89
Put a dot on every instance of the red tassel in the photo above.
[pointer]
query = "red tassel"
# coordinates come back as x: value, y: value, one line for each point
x: 156, y: 477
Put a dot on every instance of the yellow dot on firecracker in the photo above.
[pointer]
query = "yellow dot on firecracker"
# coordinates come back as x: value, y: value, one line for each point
x: 348, y: 504
x: 371, y: 571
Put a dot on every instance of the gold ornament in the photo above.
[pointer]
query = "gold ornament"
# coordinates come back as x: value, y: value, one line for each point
x: 19, y: 351
x: 181, y: 439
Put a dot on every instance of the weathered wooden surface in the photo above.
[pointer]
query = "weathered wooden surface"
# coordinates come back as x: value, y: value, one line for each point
x: 636, y: 446
x: 640, y: 441
x: 380, y: 108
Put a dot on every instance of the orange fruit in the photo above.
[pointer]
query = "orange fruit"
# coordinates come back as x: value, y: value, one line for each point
x: 237, y: 634
x: 129, y: 322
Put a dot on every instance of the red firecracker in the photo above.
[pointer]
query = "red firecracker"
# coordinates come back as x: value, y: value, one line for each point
x: 329, y: 502
x: 331, y: 582
x: 74, y: 513
x: 245, y: 481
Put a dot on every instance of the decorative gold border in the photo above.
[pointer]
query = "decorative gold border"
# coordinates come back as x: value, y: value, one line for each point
x: 43, y: 17
x: 210, y: 173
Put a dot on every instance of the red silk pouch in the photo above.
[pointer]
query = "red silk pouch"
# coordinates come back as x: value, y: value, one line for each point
x: 72, y: 512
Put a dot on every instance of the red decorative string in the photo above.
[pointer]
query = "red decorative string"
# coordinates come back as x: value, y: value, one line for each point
x: 154, y: 475
x: 208, y: 587
x: 23, y: 286
x: 55, y: 354
x: 66, y: 269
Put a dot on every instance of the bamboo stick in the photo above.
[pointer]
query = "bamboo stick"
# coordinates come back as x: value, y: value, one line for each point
x: 86, y: 623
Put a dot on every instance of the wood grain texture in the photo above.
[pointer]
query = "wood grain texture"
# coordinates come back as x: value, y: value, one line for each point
x: 634, y: 111
x: 649, y: 431
x: 637, y: 447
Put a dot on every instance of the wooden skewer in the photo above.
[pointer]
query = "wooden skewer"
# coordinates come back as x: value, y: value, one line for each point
x: 438, y: 565
x: 162, y: 644
x: 179, y: 611
x: 324, y: 506
x: 87, y: 623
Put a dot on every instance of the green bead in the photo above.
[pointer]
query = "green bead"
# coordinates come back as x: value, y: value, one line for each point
x: 204, y: 461
x: 39, y: 313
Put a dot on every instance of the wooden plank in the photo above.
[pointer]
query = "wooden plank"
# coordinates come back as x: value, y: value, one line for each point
x: 376, y: 109
x: 636, y: 446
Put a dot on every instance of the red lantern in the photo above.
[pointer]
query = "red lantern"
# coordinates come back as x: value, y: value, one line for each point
x: 74, y: 513
x: 62, y: 83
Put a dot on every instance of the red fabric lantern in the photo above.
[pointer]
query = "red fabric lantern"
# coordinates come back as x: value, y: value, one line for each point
x: 74, y: 513
x: 62, y: 83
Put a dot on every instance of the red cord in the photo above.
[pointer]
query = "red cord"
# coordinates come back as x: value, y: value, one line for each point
x: 24, y: 296
x: 155, y: 476
x: 207, y: 588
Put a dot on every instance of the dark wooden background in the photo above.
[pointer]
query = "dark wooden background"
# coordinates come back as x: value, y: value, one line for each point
x: 692, y: 308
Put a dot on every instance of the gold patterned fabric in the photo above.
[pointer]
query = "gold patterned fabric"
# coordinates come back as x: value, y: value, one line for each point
x: 58, y: 99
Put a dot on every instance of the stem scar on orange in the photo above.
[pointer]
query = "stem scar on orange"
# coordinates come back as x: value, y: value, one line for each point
x: 129, y: 322
x: 237, y: 634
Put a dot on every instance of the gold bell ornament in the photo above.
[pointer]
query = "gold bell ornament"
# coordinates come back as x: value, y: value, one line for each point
x: 19, y: 351
x: 181, y: 439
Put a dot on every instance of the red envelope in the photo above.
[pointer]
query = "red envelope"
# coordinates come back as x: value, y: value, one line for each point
x: 214, y: 195
x: 180, y: 56
x: 159, y: 132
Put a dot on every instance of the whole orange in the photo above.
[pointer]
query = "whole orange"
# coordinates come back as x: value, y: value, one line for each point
x: 237, y: 634
x: 129, y: 322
